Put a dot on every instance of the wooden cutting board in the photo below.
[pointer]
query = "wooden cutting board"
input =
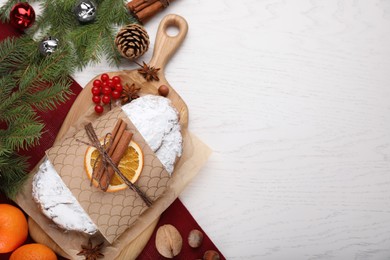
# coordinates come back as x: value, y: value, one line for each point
x: 165, y: 47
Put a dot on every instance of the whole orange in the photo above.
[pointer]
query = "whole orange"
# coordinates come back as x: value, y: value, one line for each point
x: 13, y: 228
x: 33, y: 252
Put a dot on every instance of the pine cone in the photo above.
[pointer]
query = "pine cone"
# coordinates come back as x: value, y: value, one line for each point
x: 132, y: 41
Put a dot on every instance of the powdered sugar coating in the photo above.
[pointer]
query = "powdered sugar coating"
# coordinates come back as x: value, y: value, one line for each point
x: 158, y: 122
x: 57, y: 201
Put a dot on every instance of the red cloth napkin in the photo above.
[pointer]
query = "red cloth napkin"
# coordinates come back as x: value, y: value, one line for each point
x: 176, y: 215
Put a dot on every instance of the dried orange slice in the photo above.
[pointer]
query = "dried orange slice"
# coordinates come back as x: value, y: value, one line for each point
x: 130, y: 165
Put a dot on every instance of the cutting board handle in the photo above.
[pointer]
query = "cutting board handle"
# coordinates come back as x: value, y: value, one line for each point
x: 166, y: 45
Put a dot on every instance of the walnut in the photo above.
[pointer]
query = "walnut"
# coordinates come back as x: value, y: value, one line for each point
x: 168, y: 241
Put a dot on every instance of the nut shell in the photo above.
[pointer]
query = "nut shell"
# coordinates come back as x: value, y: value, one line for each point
x: 195, y: 238
x: 211, y: 255
x: 163, y: 90
x: 168, y: 241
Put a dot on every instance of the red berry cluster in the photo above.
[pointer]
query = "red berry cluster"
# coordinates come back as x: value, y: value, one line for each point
x: 105, y: 89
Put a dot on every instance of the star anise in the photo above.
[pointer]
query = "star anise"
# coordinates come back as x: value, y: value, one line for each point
x: 91, y: 252
x: 129, y: 93
x: 148, y: 72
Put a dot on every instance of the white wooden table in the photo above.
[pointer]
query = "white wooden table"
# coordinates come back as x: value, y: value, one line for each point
x: 293, y: 97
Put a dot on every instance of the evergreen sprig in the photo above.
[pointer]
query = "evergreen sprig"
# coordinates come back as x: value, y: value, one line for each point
x: 30, y: 82
x: 12, y: 172
x: 90, y: 42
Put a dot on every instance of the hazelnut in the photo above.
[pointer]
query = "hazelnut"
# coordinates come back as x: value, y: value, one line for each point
x: 195, y: 238
x: 168, y: 241
x: 163, y: 90
x: 211, y: 255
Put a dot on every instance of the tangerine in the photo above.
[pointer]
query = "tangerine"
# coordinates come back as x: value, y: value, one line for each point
x: 33, y: 252
x: 13, y: 228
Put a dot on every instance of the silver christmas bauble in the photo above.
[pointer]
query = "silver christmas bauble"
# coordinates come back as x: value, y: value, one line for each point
x: 85, y: 11
x: 48, y: 45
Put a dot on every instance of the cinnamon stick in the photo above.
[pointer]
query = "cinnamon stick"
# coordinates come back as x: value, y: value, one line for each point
x: 135, y: 3
x: 96, y: 143
x: 116, y: 128
x: 138, y: 5
x: 117, y: 137
x: 116, y: 156
x: 116, y: 133
x: 143, y: 10
x: 145, y: 14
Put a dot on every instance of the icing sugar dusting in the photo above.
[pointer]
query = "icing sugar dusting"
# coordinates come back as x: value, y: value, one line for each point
x: 57, y: 201
x: 158, y: 122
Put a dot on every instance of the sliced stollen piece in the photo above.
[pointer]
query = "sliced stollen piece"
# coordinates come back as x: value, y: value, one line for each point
x: 57, y: 202
x: 156, y: 120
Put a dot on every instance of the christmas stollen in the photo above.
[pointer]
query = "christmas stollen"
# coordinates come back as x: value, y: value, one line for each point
x: 158, y: 123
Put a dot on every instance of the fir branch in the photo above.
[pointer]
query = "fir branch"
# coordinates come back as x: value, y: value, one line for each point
x: 7, y: 48
x: 49, y: 69
x: 57, y: 18
x: 110, y: 49
x: 50, y: 97
x: 10, y: 56
x: 15, y: 53
x: 25, y: 76
x: 86, y: 42
x: 22, y: 133
x: 13, y: 100
x: 13, y: 174
x: 52, y: 67
x: 7, y: 85
x: 114, y: 12
x: 15, y: 112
